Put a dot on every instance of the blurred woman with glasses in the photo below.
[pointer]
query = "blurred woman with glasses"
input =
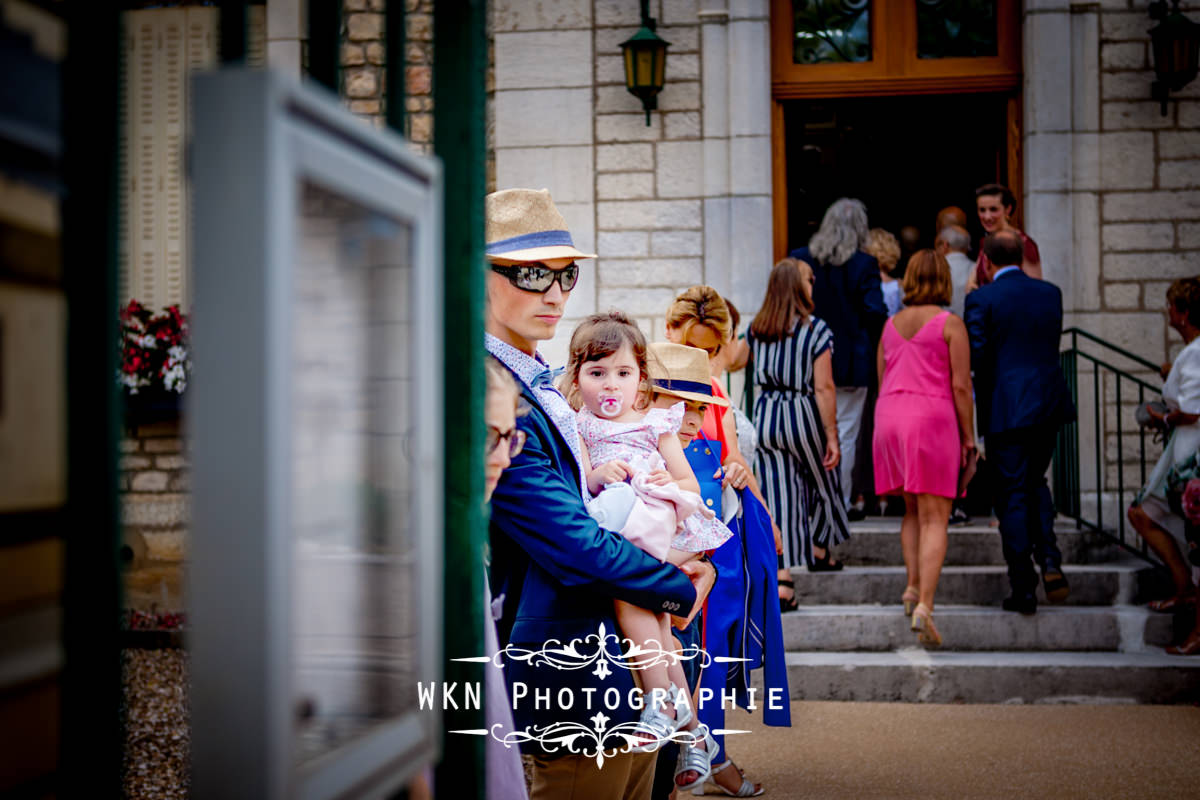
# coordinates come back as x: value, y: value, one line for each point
x: 501, y: 406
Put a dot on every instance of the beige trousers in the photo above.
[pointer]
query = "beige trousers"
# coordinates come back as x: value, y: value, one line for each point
x: 624, y: 777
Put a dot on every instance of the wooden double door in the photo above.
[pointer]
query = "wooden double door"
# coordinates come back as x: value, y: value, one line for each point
x: 908, y: 105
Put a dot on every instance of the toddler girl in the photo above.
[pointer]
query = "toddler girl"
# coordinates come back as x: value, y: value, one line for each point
x: 643, y: 488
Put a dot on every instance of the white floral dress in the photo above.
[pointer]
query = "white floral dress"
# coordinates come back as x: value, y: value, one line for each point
x: 636, y: 443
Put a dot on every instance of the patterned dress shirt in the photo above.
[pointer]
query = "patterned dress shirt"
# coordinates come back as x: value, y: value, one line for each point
x: 537, y: 375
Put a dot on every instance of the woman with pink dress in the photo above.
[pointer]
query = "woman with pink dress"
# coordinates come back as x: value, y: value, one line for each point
x: 924, y: 435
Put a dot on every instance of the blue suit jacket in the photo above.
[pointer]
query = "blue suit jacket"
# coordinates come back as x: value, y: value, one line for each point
x: 1015, y: 324
x: 848, y: 299
x: 559, y: 572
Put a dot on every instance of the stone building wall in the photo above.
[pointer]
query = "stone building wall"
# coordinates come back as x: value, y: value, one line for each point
x: 1112, y: 186
x: 154, y: 485
x: 1150, y: 181
x: 1112, y: 196
x: 684, y: 200
x: 364, y: 59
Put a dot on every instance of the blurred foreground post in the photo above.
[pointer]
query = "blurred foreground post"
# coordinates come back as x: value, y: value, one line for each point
x: 460, y: 60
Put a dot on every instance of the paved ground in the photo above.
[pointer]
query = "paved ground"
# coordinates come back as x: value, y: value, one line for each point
x: 898, y: 750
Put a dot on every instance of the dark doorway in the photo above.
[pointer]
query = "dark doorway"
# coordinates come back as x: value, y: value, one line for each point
x: 905, y: 157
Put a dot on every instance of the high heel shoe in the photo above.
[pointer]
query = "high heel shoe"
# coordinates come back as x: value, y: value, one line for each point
x: 1190, y: 646
x: 787, y: 604
x: 922, y: 624
x: 910, y: 599
x: 824, y: 563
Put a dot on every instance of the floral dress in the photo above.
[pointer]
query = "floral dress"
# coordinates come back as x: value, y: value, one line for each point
x: 636, y: 443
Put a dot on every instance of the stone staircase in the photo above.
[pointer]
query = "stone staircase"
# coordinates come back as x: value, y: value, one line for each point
x: 849, y: 640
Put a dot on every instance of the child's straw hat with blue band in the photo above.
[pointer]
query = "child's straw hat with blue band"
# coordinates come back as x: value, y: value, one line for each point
x: 682, y: 372
x: 523, y: 225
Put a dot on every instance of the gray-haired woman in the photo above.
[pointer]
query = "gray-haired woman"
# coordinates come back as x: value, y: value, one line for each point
x: 847, y: 296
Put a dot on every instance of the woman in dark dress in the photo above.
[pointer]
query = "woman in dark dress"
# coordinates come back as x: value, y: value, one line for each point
x: 795, y: 416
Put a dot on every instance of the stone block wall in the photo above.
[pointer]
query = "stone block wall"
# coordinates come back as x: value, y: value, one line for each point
x: 659, y: 203
x: 1112, y: 196
x: 155, y: 508
x: 364, y: 56
x: 649, y: 179
x: 1149, y: 197
x: 1112, y: 185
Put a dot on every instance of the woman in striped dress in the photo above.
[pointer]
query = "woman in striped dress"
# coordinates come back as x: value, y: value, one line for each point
x: 796, y: 419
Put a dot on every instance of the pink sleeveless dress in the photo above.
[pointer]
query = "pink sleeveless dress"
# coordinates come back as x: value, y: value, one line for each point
x: 916, y: 445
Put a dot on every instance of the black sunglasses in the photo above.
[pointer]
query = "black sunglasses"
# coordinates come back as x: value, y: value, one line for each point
x: 537, y: 277
x: 515, y: 437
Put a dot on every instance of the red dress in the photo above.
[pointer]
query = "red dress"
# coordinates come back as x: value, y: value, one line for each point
x: 714, y: 420
x: 981, y: 263
x: 916, y: 445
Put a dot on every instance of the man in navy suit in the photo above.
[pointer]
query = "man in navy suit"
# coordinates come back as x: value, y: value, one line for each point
x: 1015, y: 323
x: 554, y: 571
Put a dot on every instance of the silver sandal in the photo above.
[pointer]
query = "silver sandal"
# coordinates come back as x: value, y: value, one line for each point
x: 693, y: 759
x: 654, y: 722
x: 745, y: 790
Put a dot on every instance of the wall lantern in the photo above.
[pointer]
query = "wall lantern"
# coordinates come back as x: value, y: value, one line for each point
x: 1175, y: 42
x: 645, y: 62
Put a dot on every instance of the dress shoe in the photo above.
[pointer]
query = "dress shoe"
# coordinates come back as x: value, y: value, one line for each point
x: 1055, y: 584
x: 1022, y: 604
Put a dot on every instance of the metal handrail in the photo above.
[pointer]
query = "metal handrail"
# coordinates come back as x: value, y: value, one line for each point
x: 1076, y: 332
x: 1067, y: 466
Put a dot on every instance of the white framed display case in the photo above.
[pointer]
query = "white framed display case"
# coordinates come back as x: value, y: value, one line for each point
x: 315, y: 418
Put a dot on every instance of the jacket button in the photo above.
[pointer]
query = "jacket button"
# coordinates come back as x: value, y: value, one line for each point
x: 707, y: 452
x: 709, y: 501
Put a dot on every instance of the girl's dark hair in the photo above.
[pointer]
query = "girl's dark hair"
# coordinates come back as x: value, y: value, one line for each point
x: 597, y: 337
x: 786, y: 301
x: 1007, y: 199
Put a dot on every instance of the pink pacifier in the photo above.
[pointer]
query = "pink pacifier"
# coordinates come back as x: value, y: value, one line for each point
x: 611, y: 404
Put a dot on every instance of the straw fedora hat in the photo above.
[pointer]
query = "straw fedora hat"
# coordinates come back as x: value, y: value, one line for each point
x: 682, y: 371
x: 524, y: 225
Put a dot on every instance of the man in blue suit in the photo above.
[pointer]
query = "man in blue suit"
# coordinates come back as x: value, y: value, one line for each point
x: 1014, y: 324
x: 554, y: 571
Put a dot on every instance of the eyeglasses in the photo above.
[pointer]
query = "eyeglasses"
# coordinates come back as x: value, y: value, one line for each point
x: 515, y: 437
x: 537, y: 277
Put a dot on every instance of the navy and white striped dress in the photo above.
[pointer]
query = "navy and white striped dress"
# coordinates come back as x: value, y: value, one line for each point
x: 803, y: 497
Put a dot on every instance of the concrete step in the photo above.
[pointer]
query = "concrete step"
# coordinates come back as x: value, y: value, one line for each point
x: 1118, y: 582
x: 839, y: 628
x: 919, y: 676
x: 876, y: 542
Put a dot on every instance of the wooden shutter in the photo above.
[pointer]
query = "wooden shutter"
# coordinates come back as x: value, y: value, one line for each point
x: 162, y: 46
x: 173, y: 64
x: 256, y: 36
x: 142, y: 91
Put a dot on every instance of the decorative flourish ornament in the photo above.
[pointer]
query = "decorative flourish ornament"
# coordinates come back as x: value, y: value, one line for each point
x: 593, y: 649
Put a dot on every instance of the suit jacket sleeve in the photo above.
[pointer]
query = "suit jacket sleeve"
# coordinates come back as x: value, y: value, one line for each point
x: 976, y: 318
x: 541, y: 511
x: 870, y: 300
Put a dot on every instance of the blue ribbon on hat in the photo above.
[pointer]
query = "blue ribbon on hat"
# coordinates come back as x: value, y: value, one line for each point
x: 527, y: 241
x: 684, y: 386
